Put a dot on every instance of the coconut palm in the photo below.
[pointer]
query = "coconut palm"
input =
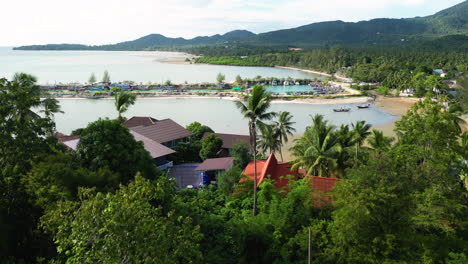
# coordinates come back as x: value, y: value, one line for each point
x: 122, y: 101
x: 255, y: 109
x: 361, y: 132
x: 284, y: 128
x: 457, y: 112
x: 269, y: 140
x: 378, y: 141
x: 346, y: 139
x: 316, y: 151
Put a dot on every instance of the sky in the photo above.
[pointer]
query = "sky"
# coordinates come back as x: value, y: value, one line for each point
x: 96, y: 22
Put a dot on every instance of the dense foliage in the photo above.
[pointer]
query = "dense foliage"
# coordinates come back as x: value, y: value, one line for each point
x: 397, y: 202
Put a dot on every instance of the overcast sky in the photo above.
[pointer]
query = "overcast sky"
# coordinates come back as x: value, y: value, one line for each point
x: 25, y: 22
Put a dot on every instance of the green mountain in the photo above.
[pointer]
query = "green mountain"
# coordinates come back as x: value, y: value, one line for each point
x: 152, y: 41
x: 381, y: 31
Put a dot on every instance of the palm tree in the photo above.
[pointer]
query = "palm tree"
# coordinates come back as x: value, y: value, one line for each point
x: 457, y: 111
x: 122, y: 101
x: 317, y: 149
x: 269, y: 140
x: 378, y: 141
x: 255, y: 109
x: 284, y: 128
x: 346, y: 139
x: 361, y: 132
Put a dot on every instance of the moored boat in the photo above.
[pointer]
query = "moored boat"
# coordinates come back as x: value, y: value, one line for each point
x: 341, y: 109
x: 363, y: 106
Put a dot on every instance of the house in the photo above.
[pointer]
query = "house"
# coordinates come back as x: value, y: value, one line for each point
x: 281, y: 174
x: 440, y: 72
x: 165, y: 131
x: 271, y: 168
x: 211, y: 168
x: 159, y: 137
x: 229, y: 140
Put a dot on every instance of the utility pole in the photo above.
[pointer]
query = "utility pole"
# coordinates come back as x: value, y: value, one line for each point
x: 310, y: 247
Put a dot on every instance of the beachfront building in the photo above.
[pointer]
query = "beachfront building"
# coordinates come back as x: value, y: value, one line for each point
x: 229, y: 140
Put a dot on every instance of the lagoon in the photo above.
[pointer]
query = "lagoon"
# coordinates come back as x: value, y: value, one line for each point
x: 219, y: 114
x: 52, y: 67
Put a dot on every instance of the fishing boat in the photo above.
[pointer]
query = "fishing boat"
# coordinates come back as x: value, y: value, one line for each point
x: 363, y: 106
x: 94, y: 96
x: 341, y: 109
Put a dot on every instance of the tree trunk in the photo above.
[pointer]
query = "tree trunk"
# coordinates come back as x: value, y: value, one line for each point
x: 281, y: 146
x: 254, y: 146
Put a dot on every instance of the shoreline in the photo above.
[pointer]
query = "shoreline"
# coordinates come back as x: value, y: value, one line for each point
x: 310, y: 101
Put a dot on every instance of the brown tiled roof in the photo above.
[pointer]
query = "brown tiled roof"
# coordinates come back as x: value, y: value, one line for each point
x: 68, y: 138
x: 216, y: 164
x: 229, y: 140
x: 155, y: 149
x: 163, y: 131
x: 139, y: 121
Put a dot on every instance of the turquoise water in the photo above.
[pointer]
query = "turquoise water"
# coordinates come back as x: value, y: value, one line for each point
x: 289, y: 88
x: 51, y: 67
x: 219, y: 114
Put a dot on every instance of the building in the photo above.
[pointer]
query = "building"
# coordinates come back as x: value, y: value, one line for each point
x: 159, y: 137
x: 229, y: 140
x: 211, y: 168
x: 281, y: 174
x: 165, y: 131
x: 272, y: 169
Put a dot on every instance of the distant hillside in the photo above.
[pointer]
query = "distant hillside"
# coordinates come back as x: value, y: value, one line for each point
x: 382, y: 31
x: 152, y: 41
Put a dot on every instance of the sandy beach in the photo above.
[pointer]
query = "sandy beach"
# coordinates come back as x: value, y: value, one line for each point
x: 170, y: 57
x: 397, y: 106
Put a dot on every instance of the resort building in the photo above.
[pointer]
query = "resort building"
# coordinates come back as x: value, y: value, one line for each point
x: 165, y: 132
x: 229, y: 140
x: 159, y: 137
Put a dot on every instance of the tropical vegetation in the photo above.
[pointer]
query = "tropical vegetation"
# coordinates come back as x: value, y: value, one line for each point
x: 398, y: 201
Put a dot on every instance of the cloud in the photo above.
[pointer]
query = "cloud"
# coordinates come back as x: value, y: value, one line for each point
x: 109, y: 21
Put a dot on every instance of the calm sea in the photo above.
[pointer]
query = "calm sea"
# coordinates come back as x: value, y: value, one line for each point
x: 76, y: 66
x: 219, y: 114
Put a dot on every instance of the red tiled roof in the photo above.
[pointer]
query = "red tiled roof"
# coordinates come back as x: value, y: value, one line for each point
x: 216, y: 164
x: 139, y: 121
x: 279, y: 171
x: 163, y: 131
x: 155, y: 149
x: 229, y: 140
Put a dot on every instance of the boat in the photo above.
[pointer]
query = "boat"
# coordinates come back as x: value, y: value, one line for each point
x: 341, y: 109
x: 94, y: 96
x: 363, y: 106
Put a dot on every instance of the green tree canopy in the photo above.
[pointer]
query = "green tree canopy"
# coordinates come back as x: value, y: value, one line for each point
x: 198, y: 130
x: 210, y: 146
x: 92, y: 78
x: 132, y: 225
x: 107, y: 144
x: 220, y: 78
x: 241, y: 153
x: 106, y: 77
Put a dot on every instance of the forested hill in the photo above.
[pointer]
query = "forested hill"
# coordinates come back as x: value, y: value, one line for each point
x: 382, y: 31
x: 451, y: 21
